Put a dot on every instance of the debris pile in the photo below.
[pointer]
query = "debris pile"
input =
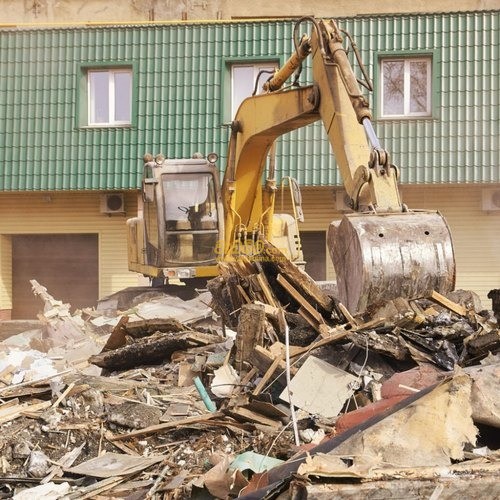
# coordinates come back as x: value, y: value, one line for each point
x: 262, y: 385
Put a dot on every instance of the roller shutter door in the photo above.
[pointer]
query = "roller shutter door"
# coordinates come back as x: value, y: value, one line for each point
x: 65, y: 264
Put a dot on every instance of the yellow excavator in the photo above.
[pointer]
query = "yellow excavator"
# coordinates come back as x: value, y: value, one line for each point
x: 380, y: 251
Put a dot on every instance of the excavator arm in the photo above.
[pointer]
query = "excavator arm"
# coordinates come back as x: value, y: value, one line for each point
x: 382, y: 250
x: 259, y: 122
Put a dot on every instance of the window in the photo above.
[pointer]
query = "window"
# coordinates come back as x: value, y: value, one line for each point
x: 406, y: 87
x: 109, y: 96
x: 247, y: 78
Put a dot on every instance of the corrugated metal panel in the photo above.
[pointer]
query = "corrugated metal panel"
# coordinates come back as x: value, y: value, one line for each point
x: 180, y: 91
x: 65, y: 213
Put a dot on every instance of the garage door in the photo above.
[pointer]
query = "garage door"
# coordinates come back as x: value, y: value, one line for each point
x: 314, y: 250
x: 65, y: 264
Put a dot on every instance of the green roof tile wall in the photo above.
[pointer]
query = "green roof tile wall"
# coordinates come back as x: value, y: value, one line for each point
x: 180, y: 92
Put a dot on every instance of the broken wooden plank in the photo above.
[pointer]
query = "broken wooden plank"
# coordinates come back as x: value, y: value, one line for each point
x: 447, y: 303
x: 336, y: 334
x: 321, y: 328
x: 296, y: 295
x: 298, y: 278
x: 388, y: 344
x: 57, y: 402
x: 93, y: 490
x: 348, y: 316
x: 245, y: 266
x: 146, y: 351
x: 226, y: 297
x: 249, y: 333
x: 145, y: 327
x: 11, y: 412
x: 155, y: 350
x: 266, y: 290
x: 118, y: 335
x: 263, y: 359
x: 244, y: 294
x: 121, y: 446
x: 11, y: 391
x: 268, y: 410
x: 65, y: 461
x: 168, y: 425
x: 265, y: 379
x: 248, y: 415
x: 6, y: 372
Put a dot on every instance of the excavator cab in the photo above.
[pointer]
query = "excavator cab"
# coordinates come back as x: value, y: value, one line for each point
x: 178, y: 233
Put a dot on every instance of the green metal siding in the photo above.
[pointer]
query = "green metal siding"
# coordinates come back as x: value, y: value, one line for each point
x: 180, y: 93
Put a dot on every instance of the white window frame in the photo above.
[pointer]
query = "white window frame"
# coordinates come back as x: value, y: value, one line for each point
x: 112, y: 104
x: 406, y: 87
x: 256, y: 67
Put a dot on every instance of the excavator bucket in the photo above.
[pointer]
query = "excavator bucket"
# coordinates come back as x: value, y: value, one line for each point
x: 379, y: 257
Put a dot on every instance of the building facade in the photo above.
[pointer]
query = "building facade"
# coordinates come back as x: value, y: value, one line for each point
x: 81, y: 104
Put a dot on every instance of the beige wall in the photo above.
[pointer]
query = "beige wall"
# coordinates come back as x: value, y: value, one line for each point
x: 475, y: 232
x: 5, y: 276
x: 75, y: 212
x: 65, y: 11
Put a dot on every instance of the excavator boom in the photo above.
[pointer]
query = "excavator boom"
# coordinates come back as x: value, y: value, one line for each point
x: 382, y: 250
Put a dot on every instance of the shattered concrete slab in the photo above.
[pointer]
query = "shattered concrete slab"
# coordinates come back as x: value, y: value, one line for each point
x: 444, y: 417
x: 320, y: 388
x: 485, y: 394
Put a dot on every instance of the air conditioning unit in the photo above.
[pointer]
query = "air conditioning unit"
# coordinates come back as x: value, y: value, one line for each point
x: 112, y: 203
x: 491, y: 200
x: 342, y: 202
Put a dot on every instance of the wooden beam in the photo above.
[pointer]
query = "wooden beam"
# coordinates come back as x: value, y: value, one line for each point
x: 265, y: 379
x: 448, y: 304
x: 153, y: 429
x: 300, y: 299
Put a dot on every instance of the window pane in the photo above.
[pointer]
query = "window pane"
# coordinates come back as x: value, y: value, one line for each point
x: 243, y: 81
x: 99, y: 96
x: 393, y: 87
x: 242, y: 85
x: 418, y: 87
x: 123, y: 96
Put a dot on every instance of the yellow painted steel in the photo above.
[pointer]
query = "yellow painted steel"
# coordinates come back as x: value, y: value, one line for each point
x: 259, y: 121
x: 369, y: 179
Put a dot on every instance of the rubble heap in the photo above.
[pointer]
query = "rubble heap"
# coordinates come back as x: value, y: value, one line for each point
x: 263, y: 385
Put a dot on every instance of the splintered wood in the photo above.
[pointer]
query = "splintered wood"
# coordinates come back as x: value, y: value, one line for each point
x: 275, y: 282
x: 250, y: 332
x: 277, y: 380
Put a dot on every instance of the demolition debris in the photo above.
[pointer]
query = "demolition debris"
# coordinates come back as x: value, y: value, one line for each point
x: 263, y: 385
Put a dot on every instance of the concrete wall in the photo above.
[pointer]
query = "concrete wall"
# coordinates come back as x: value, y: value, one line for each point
x: 87, y: 11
